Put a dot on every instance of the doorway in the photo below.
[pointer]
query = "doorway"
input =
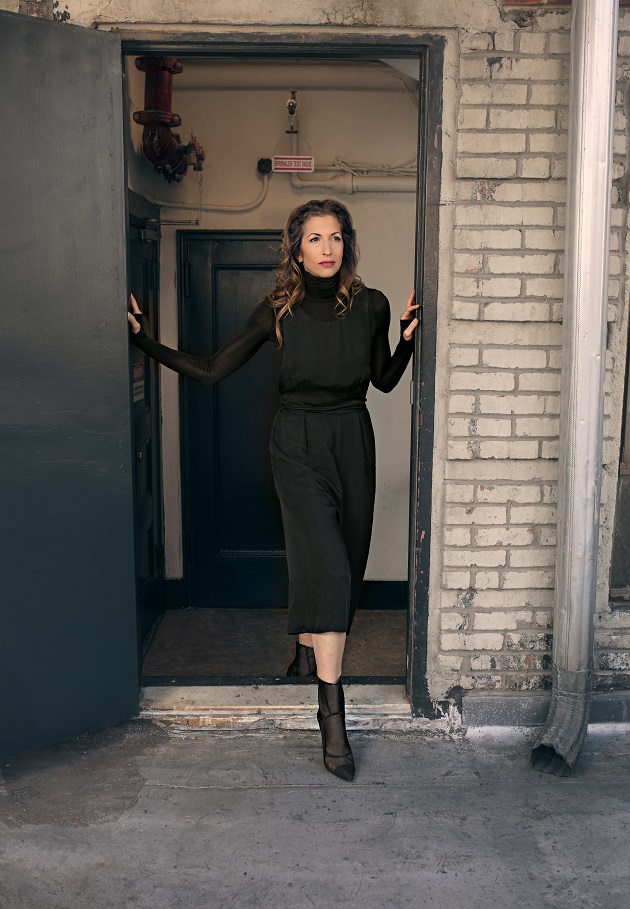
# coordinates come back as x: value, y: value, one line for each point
x: 228, y: 564
x: 72, y: 633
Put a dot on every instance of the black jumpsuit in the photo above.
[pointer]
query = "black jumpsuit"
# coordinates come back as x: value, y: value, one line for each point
x: 321, y: 443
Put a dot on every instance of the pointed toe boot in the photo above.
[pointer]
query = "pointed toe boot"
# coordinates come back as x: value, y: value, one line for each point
x: 331, y: 718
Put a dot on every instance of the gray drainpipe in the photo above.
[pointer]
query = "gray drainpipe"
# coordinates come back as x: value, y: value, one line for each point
x: 591, y: 109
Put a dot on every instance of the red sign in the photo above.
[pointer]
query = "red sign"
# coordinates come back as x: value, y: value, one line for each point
x: 291, y: 164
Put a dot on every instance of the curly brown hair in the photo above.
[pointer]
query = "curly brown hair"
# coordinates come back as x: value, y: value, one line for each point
x: 290, y: 287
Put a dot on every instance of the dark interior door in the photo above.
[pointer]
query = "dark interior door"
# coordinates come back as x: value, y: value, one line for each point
x: 234, y: 544
x: 68, y: 655
x: 144, y: 285
x: 620, y: 564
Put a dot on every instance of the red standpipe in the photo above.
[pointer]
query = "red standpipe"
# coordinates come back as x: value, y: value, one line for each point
x: 161, y: 146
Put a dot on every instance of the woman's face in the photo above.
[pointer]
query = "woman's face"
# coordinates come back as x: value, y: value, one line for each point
x: 321, y: 250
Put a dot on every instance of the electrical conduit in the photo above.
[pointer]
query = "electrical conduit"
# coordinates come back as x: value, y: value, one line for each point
x: 349, y: 183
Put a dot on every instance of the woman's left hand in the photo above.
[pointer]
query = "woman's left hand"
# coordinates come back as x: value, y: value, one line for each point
x: 409, y: 314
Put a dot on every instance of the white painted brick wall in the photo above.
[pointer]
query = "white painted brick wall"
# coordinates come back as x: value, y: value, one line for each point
x: 505, y: 340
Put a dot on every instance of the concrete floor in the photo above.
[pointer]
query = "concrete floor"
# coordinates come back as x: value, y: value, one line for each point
x: 135, y: 816
x: 254, y: 642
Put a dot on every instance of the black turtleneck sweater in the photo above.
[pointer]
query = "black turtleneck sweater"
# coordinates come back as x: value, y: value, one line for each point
x: 319, y: 303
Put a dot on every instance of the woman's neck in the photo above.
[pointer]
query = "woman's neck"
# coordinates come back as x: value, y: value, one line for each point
x: 324, y: 288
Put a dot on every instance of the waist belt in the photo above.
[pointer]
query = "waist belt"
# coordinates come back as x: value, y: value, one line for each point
x: 346, y: 407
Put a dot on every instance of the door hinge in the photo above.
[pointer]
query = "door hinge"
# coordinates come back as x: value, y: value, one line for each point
x: 185, y: 278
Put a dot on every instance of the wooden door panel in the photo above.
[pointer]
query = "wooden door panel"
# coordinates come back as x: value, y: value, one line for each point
x: 246, y: 404
x: 234, y: 544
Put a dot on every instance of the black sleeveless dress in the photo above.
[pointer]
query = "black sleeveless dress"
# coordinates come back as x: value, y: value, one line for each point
x: 321, y: 442
x: 323, y: 460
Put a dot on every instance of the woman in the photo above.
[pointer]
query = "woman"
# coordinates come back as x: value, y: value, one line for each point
x: 332, y: 333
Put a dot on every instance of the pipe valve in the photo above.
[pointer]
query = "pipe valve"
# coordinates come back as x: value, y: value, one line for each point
x: 161, y: 146
x: 292, y: 110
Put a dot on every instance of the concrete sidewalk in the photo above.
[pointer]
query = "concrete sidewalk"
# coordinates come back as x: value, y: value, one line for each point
x: 135, y: 816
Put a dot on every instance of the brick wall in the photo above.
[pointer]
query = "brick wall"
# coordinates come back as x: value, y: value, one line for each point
x: 505, y: 346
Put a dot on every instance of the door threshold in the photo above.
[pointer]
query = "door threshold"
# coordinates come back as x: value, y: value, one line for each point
x: 186, y: 681
x: 262, y: 707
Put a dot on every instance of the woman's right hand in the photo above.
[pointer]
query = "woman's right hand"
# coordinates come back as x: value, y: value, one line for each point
x: 134, y: 310
x: 410, y: 316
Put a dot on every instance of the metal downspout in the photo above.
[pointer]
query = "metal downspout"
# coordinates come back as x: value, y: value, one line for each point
x: 591, y: 108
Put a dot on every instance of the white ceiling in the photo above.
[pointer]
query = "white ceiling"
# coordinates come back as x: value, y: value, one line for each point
x: 294, y: 75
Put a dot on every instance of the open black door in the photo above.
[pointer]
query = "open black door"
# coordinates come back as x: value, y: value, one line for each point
x: 144, y: 269
x: 68, y: 655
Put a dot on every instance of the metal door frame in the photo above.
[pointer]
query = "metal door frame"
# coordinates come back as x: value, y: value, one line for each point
x: 346, y: 45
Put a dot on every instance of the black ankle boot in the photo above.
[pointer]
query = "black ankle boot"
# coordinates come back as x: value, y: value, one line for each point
x: 331, y: 717
x: 303, y: 664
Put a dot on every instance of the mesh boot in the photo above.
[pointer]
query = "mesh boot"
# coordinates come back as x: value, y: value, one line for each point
x: 331, y: 717
x: 303, y: 664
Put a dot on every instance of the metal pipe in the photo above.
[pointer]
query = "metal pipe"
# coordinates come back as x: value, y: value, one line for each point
x: 208, y: 206
x: 373, y: 183
x: 342, y: 183
x: 358, y: 183
x: 591, y: 108
x: 159, y: 144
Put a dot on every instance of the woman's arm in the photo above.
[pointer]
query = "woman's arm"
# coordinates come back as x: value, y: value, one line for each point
x: 224, y: 362
x: 387, y: 368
